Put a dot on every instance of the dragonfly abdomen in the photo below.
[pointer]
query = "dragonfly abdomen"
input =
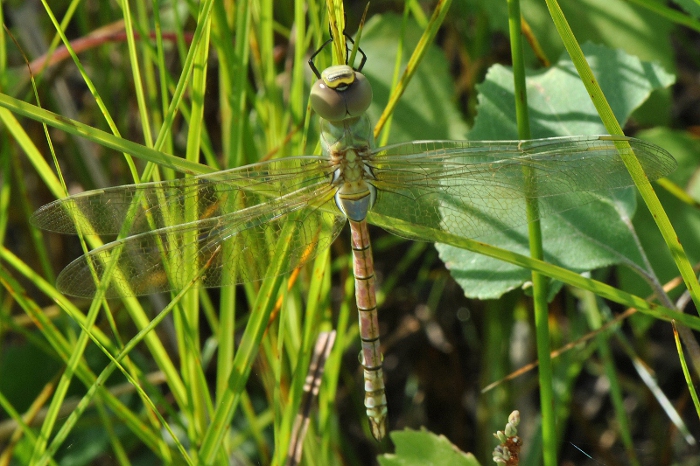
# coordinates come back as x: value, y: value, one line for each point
x: 370, y: 356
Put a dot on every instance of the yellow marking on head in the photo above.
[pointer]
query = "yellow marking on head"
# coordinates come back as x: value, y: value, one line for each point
x: 338, y: 76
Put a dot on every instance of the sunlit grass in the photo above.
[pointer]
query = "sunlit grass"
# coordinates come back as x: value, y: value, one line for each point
x: 207, y: 377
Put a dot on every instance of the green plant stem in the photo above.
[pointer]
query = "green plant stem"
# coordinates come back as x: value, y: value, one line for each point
x: 630, y: 161
x: 553, y: 271
x: 516, y: 49
x: 539, y: 281
x: 230, y: 21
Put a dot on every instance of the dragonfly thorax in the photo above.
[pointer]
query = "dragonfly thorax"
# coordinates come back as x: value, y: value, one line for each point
x: 355, y: 195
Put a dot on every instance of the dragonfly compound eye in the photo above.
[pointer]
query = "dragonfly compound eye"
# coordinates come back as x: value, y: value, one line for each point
x: 341, y: 93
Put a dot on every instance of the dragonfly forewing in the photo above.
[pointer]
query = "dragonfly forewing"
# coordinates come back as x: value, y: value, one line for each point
x: 475, y: 189
x: 236, y: 225
x: 169, y: 258
x: 139, y: 208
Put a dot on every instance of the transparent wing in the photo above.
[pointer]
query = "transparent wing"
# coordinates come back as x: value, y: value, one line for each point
x: 133, y: 209
x: 235, y: 248
x: 228, y: 221
x: 474, y: 189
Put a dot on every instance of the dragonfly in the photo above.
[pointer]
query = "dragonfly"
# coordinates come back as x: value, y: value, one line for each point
x: 466, y: 188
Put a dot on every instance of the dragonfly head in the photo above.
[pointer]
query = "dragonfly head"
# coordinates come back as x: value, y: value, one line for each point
x: 341, y: 93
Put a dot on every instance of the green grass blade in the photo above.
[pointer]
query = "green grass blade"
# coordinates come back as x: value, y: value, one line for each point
x: 101, y: 137
x: 686, y: 373
x: 426, y: 39
x: 653, y: 385
x: 188, y: 330
x: 64, y: 348
x: 631, y: 162
x: 93, y: 90
x: 116, y: 363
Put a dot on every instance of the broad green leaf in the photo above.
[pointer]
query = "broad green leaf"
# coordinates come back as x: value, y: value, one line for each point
x: 580, y: 239
x: 423, y: 448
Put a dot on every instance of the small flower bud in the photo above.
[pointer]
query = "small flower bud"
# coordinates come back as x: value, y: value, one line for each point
x: 501, y: 436
x: 514, y: 418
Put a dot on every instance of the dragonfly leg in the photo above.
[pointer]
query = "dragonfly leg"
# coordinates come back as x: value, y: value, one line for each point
x: 370, y: 356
